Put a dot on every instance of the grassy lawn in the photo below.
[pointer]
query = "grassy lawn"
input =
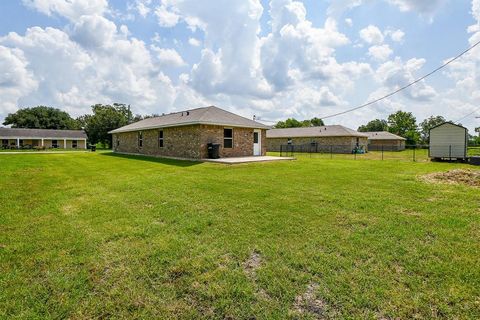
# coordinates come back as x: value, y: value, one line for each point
x: 94, y: 235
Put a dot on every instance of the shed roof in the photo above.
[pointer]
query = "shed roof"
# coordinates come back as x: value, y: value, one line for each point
x: 208, y: 115
x: 383, y: 135
x: 41, y: 133
x: 323, y: 131
x: 448, y: 123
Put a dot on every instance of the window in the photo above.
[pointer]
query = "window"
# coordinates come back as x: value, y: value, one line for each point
x: 140, y: 139
x: 160, y: 139
x: 21, y: 143
x: 118, y: 142
x: 228, y: 138
x: 74, y: 144
x: 289, y: 141
x: 255, y: 137
x: 5, y: 143
x: 54, y: 144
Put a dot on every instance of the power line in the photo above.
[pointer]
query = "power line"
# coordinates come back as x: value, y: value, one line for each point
x: 468, y: 115
x: 404, y: 87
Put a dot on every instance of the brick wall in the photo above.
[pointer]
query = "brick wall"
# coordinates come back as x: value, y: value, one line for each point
x: 188, y: 142
x: 242, y: 141
x: 325, y: 144
x: 179, y: 142
x: 388, y: 145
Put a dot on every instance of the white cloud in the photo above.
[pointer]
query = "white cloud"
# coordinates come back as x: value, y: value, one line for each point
x: 423, y: 7
x: 194, y: 42
x: 349, y: 22
x: 166, y: 17
x: 168, y: 57
x: 397, y: 35
x: 381, y: 52
x: 426, y: 8
x: 396, y: 73
x: 16, y: 80
x: 143, y: 7
x: 70, y: 9
x: 371, y: 35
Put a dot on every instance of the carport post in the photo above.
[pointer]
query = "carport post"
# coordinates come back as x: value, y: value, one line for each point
x: 42, y: 143
x: 18, y: 143
x: 64, y: 143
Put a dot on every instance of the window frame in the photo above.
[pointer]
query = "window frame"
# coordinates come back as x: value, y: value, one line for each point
x: 225, y: 138
x: 140, y: 139
x: 161, y: 139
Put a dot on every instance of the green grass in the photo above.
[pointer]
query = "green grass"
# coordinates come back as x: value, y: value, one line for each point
x: 94, y: 235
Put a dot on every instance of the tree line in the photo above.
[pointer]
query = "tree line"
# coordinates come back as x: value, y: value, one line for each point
x: 401, y: 123
x: 105, y: 118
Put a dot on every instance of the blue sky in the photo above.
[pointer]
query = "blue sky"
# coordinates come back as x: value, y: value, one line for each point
x: 274, y: 59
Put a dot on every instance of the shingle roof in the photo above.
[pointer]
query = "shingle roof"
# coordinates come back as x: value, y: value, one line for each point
x: 383, y: 135
x: 324, y: 131
x: 207, y: 115
x: 42, y: 133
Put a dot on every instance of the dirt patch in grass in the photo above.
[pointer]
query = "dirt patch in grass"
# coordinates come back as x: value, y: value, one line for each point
x: 250, y: 267
x: 457, y: 176
x: 309, y: 303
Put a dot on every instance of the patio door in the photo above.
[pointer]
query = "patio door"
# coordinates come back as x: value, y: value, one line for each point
x: 257, y: 142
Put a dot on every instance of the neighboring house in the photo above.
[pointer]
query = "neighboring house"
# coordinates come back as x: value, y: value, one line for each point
x: 448, y: 141
x: 335, y: 138
x: 386, y: 141
x: 47, y: 138
x: 186, y: 134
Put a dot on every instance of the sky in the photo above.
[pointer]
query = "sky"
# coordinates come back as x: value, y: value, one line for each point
x: 273, y: 59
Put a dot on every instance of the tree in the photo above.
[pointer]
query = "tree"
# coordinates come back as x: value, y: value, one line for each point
x: 427, y: 124
x: 294, y: 123
x: 104, y: 119
x: 316, y: 122
x: 374, y: 125
x: 41, y: 117
x: 404, y: 124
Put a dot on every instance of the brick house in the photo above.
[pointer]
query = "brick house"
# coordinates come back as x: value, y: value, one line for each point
x: 383, y: 140
x: 20, y: 138
x: 335, y: 138
x: 186, y: 134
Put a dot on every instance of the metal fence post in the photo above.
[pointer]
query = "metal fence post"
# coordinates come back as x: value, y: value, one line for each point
x: 450, y: 152
x: 414, y: 147
x: 331, y: 152
x: 382, y: 151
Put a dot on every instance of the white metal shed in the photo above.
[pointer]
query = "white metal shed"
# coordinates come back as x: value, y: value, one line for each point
x: 448, y: 141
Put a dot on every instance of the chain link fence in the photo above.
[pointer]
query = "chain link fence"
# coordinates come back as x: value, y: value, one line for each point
x: 417, y: 153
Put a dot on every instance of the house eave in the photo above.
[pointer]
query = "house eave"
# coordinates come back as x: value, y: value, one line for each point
x: 186, y: 124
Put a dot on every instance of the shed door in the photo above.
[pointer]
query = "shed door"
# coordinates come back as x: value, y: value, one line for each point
x: 257, y: 142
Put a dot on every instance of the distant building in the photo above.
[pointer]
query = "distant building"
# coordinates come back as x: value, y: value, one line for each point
x: 448, y: 141
x: 187, y: 134
x: 19, y: 138
x: 335, y: 138
x: 386, y: 141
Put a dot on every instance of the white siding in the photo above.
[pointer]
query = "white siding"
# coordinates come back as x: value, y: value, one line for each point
x: 448, y: 141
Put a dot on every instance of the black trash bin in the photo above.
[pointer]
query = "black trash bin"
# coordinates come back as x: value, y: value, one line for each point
x: 93, y: 148
x: 213, y: 150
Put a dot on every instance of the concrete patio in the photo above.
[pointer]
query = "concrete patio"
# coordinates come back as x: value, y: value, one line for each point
x: 237, y: 160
